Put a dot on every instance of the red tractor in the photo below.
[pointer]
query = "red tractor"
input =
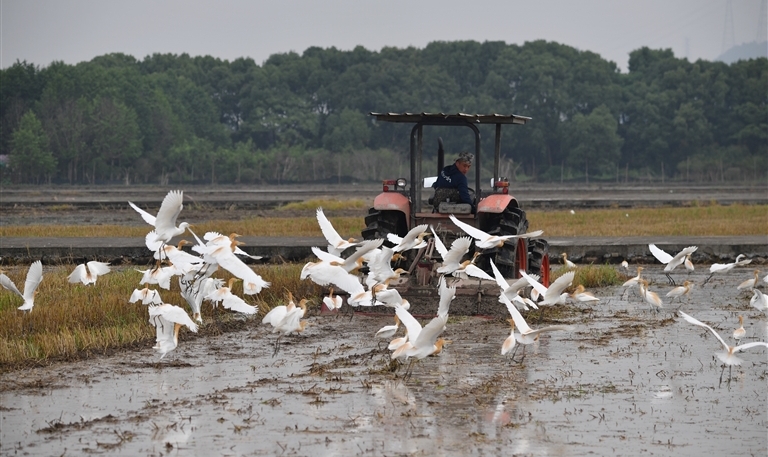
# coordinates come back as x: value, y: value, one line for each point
x: 399, y: 208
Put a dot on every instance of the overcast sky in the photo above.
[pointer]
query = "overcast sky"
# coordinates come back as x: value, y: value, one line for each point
x: 41, y: 31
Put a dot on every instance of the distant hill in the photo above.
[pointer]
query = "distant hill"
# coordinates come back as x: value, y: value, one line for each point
x: 744, y: 51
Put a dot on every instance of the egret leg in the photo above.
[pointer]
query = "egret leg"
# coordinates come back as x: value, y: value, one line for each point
x: 671, y: 281
x: 721, y: 376
x: 277, y: 346
x: 708, y: 278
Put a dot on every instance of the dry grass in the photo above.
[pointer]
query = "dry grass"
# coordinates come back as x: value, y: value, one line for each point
x: 328, y: 205
x: 712, y: 220
x: 70, y: 320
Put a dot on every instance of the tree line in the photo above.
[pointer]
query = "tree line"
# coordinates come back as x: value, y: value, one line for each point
x: 181, y: 119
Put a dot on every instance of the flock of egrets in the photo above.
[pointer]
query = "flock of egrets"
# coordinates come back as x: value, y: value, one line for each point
x: 195, y: 275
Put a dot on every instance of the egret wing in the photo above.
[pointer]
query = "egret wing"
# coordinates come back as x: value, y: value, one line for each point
x: 78, y: 275
x: 660, y: 255
x: 520, y: 323
x: 441, y: 249
x: 6, y: 282
x: 169, y: 211
x: 695, y: 321
x: 471, y: 231
x: 148, y: 218
x: 330, y: 233
x: 34, y: 276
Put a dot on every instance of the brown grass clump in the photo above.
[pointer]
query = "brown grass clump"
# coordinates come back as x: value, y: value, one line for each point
x: 327, y: 205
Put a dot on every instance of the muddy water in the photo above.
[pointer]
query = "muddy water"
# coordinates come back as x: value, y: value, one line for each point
x: 626, y: 382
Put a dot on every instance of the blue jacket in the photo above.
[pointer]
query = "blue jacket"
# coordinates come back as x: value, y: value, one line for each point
x: 452, y: 178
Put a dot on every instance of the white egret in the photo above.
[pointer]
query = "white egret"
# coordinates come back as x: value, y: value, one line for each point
x: 226, y: 258
x: 168, y: 319
x: 750, y: 283
x: 451, y: 258
x: 332, y: 302
x: 34, y: 277
x: 336, y: 244
x: 679, y: 291
x: 414, y: 239
x: 289, y: 323
x: 729, y: 357
x: 509, y: 342
x: 528, y: 335
x: 671, y: 261
x: 512, y: 291
x: 741, y: 260
x: 165, y: 221
x: 634, y: 281
x: 380, y: 268
x: 147, y: 296
x: 554, y: 294
x: 388, y: 331
x: 582, y: 295
x: 567, y: 263
x: 485, y: 240
x: 354, y: 261
x: 158, y: 275
x: 739, y: 333
x: 759, y: 300
x: 625, y: 264
x: 87, y: 273
x: 652, y: 298
x: 229, y: 300
x: 468, y: 268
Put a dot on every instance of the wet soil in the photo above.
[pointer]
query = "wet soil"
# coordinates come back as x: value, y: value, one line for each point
x: 626, y: 382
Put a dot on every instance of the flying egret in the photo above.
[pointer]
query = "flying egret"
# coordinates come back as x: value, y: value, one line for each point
x: 165, y: 221
x: 567, y: 263
x: 332, y: 302
x: 87, y: 273
x: 528, y: 335
x: 468, y: 268
x: 729, y: 357
x: 158, y: 275
x: 670, y: 261
x: 451, y: 258
x: 388, y: 331
x: 147, y: 296
x: 512, y: 291
x: 554, y: 294
x: 679, y: 291
x: 34, y: 277
x: 168, y: 319
x: 336, y: 244
x: 380, y: 268
x: 739, y: 333
x: 226, y: 258
x: 750, y: 283
x: 650, y: 297
x: 423, y: 342
x: 414, y: 239
x: 229, y: 300
x: 354, y: 261
x: 486, y: 240
x: 726, y: 267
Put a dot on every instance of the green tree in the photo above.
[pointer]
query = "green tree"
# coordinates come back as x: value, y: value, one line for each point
x: 594, y: 144
x: 31, y: 158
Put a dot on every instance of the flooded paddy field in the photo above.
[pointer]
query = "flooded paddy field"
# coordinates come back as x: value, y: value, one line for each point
x: 627, y: 381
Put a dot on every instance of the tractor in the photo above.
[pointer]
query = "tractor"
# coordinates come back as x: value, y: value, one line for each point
x: 400, y: 207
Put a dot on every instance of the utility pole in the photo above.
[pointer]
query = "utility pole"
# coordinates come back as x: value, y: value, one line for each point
x: 729, y: 36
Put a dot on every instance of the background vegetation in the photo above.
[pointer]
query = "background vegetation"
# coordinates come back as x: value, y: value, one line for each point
x: 180, y: 119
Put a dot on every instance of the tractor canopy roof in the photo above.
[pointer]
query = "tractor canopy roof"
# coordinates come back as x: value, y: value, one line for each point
x: 449, y: 119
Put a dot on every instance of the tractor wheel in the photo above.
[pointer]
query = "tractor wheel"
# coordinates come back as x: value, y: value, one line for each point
x: 379, y: 223
x: 512, y: 256
x: 538, y: 259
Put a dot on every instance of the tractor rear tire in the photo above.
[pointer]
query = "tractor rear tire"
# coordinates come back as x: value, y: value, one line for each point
x: 538, y: 259
x: 380, y: 223
x: 513, y: 255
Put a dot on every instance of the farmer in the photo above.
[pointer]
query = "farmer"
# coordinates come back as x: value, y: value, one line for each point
x: 451, y: 184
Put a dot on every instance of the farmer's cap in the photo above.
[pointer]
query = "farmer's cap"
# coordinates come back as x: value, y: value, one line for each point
x: 466, y: 157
